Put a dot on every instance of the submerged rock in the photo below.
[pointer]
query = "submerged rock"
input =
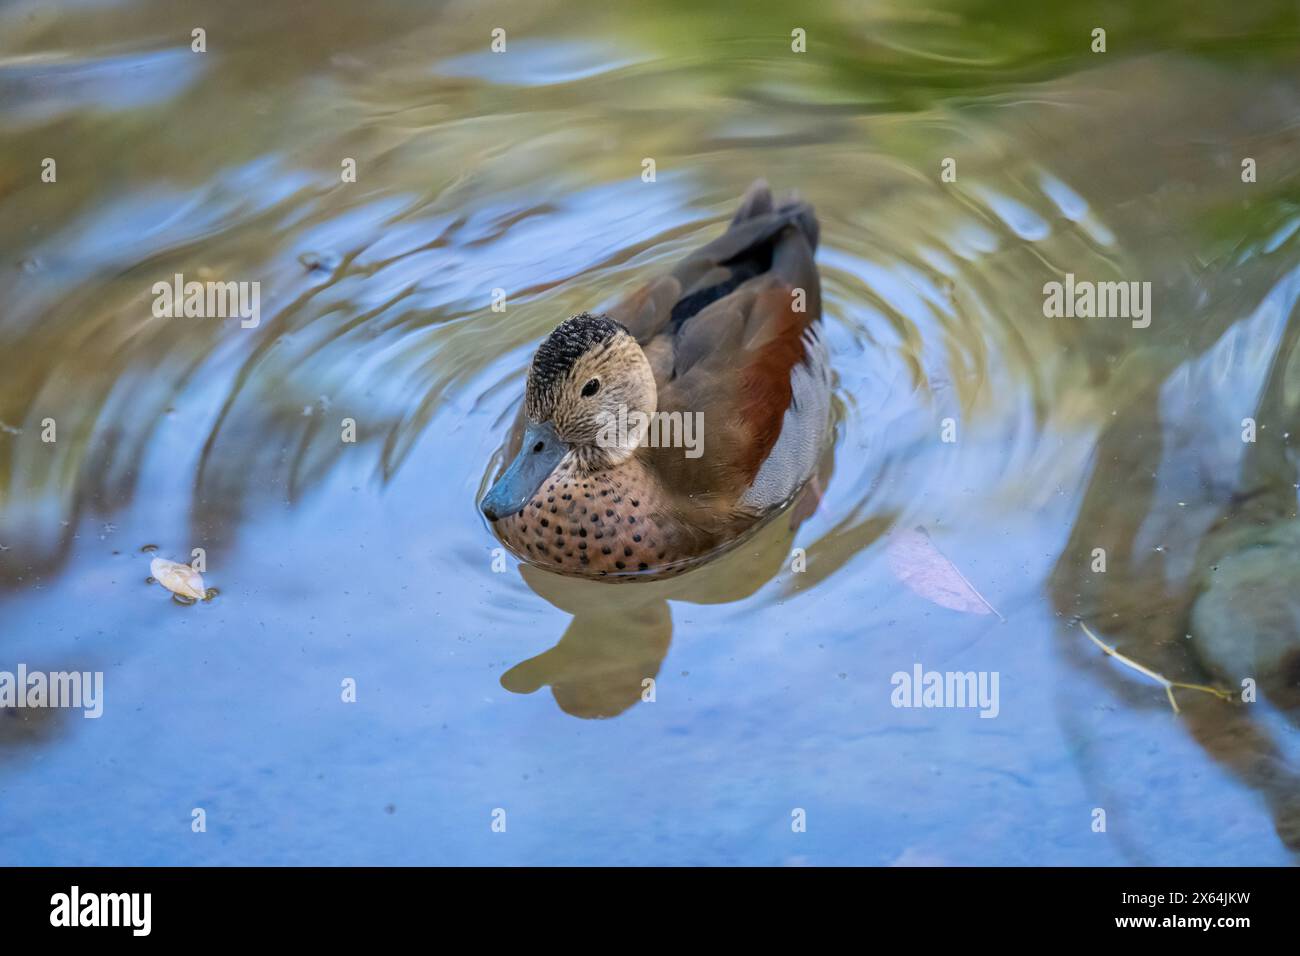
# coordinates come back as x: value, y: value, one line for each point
x: 1245, y: 622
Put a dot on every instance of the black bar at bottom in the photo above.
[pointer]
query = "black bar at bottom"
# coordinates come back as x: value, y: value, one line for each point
x: 242, y: 904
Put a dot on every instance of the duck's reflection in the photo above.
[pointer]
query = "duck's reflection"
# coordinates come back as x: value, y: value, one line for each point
x: 608, y: 657
x: 616, y: 643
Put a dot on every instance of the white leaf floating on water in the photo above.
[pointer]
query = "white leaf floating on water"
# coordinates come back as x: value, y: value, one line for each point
x: 924, y: 570
x: 178, y: 578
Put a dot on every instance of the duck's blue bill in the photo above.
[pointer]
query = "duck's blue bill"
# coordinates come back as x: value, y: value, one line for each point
x: 540, y: 452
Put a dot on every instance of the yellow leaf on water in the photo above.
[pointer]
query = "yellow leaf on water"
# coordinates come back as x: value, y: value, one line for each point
x: 178, y: 578
x: 923, y: 569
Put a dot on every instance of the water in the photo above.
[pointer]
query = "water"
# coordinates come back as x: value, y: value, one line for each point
x: 522, y: 171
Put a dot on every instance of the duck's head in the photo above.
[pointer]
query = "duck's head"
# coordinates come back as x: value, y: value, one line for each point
x: 589, y: 376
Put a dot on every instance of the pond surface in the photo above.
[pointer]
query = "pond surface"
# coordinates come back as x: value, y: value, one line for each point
x: 480, y: 690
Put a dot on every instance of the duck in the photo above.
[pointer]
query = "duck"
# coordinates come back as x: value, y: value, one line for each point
x: 658, y: 433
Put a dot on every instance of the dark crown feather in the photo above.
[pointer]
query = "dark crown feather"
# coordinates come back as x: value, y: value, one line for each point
x: 571, y: 339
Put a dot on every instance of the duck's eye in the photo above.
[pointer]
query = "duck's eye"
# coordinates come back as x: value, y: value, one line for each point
x: 591, y: 388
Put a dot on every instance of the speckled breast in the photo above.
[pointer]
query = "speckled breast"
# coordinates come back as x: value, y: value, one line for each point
x: 593, y: 525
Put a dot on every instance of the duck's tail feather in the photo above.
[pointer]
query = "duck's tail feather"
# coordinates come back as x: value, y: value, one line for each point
x: 802, y: 214
x: 757, y: 201
x: 753, y: 244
